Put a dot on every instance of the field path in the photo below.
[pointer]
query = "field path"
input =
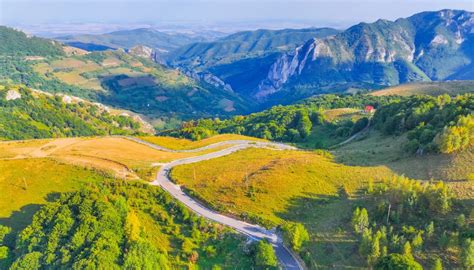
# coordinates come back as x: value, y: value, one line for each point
x: 255, y: 232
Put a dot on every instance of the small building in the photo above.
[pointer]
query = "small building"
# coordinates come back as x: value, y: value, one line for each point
x: 369, y: 109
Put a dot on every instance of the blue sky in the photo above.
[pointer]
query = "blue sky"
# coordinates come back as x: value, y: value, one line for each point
x: 316, y: 12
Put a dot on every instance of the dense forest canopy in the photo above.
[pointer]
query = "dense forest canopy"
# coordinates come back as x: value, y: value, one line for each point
x: 120, y: 225
x: 432, y: 124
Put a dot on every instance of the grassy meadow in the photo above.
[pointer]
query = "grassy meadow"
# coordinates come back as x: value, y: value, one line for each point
x: 33, y: 169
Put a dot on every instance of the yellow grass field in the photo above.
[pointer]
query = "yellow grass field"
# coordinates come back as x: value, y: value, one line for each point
x: 264, y: 182
x: 31, y: 170
x: 26, y: 183
x: 428, y: 88
x: 115, y: 156
x: 185, y: 144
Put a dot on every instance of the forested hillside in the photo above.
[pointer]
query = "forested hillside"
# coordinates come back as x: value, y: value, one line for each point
x: 16, y: 43
x: 25, y: 114
x: 432, y: 124
x: 292, y: 123
x: 120, y: 225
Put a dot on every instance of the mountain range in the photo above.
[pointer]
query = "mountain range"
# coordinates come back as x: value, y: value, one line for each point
x: 251, y: 70
x: 426, y: 46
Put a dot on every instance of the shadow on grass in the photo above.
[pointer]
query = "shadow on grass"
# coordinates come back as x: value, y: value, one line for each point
x: 20, y: 219
x: 327, y: 218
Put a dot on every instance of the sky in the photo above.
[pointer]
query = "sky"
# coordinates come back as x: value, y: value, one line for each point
x: 223, y: 13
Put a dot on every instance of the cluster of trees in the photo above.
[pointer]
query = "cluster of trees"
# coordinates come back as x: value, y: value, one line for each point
x: 121, y: 225
x: 290, y: 123
x: 432, y: 124
x: 408, y: 219
x: 42, y: 116
x: 295, y: 235
x: 457, y: 137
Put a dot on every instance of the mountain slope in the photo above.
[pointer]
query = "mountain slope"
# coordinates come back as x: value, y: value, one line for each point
x: 242, y: 60
x: 425, y: 46
x: 244, y: 45
x: 18, y: 43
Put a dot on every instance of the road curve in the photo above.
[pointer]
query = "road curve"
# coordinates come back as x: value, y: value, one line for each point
x: 256, y: 232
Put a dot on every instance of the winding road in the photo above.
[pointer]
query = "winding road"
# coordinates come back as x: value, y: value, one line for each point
x: 286, y: 258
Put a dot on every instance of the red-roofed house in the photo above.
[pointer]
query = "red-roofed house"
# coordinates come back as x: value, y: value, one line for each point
x: 369, y: 109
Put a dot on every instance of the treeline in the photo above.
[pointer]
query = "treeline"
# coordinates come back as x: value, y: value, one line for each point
x: 432, y: 124
x: 291, y: 123
x: 404, y: 222
x: 121, y: 225
x: 41, y: 116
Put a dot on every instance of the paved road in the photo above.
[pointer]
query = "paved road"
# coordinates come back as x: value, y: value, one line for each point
x: 286, y: 258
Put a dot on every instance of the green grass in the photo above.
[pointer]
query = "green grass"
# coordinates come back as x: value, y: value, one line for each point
x: 379, y: 150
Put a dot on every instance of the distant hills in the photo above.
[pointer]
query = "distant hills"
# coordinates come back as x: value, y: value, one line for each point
x: 160, y: 41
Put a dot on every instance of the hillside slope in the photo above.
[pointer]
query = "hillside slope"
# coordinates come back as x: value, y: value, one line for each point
x: 25, y: 114
x: 117, y: 79
x: 451, y: 88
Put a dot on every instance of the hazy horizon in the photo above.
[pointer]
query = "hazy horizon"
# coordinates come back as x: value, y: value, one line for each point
x: 50, y: 16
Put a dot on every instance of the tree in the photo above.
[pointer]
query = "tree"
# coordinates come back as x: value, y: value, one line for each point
x: 30, y: 261
x: 437, y: 264
x: 407, y: 250
x: 360, y: 220
x: 265, y: 255
x: 396, y: 261
x: 374, y: 253
x: 303, y: 124
x: 295, y: 235
x: 467, y: 253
